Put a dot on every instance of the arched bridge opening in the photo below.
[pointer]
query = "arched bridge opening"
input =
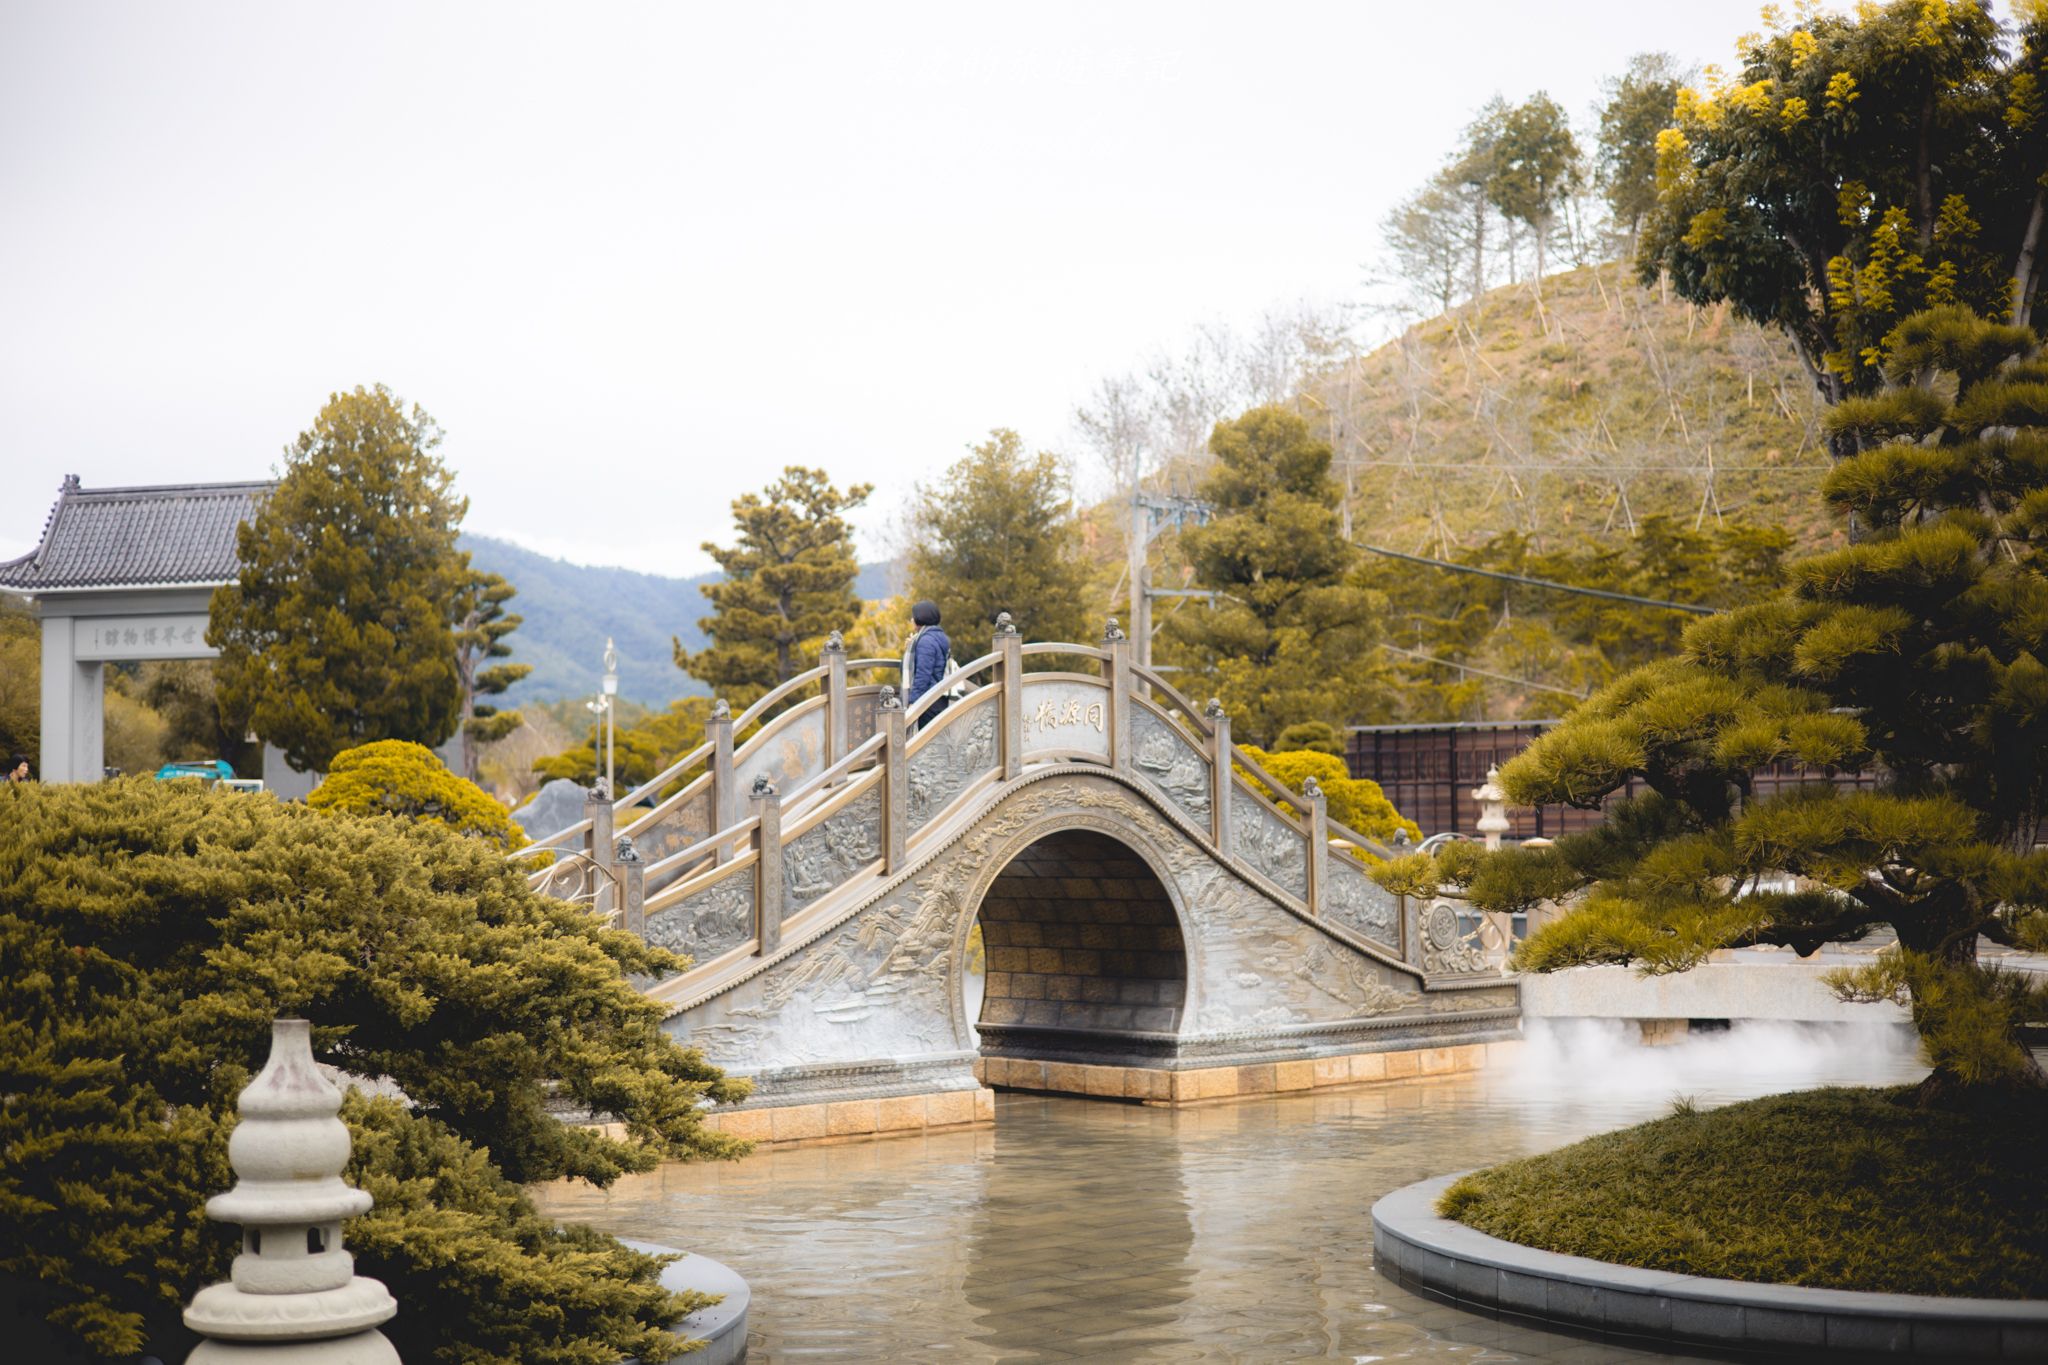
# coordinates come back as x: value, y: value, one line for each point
x: 1084, y: 955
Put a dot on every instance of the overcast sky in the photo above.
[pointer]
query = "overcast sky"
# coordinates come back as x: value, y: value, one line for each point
x: 636, y: 259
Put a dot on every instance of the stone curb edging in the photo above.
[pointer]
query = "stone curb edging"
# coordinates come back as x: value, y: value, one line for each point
x: 723, y: 1326
x: 1453, y: 1263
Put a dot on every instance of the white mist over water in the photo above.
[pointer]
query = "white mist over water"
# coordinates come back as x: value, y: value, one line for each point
x: 1604, y: 1059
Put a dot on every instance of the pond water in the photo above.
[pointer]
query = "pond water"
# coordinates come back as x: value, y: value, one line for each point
x: 1092, y: 1230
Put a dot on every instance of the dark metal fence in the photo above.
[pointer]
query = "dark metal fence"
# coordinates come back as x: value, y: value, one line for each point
x: 1429, y: 771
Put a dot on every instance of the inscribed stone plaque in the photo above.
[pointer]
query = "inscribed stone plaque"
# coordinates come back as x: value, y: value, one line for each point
x: 1063, y: 713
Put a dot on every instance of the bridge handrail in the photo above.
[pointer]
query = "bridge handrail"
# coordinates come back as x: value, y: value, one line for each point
x: 946, y: 684
x: 683, y: 857
x: 867, y: 748
x: 1280, y: 790
x: 1140, y: 673
x: 646, y: 819
x: 1338, y: 830
x: 850, y: 775
x: 549, y: 844
x: 1055, y: 647
x: 691, y: 885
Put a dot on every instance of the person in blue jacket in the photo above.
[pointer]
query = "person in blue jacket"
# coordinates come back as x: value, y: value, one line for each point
x: 926, y: 659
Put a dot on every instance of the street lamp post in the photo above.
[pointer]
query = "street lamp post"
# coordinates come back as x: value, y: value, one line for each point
x: 606, y: 703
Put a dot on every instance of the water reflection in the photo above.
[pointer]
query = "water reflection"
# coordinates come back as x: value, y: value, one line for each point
x: 1106, y: 1261
x: 1090, y: 1230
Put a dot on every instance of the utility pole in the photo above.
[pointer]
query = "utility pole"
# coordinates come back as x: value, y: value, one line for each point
x: 1152, y: 513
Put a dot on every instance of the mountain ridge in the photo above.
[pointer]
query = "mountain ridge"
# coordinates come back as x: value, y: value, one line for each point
x: 570, y: 609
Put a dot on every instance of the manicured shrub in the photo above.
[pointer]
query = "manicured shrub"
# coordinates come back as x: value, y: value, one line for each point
x: 1355, y: 802
x: 396, y: 777
x: 150, y: 931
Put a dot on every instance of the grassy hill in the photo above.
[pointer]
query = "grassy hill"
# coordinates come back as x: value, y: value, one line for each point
x: 1573, y: 416
x: 571, y: 608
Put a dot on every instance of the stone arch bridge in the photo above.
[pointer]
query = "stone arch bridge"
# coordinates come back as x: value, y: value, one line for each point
x: 1155, y: 927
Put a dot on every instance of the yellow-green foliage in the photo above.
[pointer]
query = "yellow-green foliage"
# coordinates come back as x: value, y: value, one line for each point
x: 395, y: 777
x: 1356, y: 803
x: 149, y: 933
x: 1843, y: 1189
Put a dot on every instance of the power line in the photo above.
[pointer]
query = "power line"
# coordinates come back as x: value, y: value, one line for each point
x: 1591, y: 471
x: 1554, y: 586
x: 1484, y: 673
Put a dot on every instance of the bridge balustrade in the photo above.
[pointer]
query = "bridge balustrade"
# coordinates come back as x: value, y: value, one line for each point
x: 837, y: 783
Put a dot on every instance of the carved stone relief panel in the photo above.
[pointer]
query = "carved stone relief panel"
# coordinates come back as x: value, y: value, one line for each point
x: 953, y: 757
x: 1263, y: 968
x: 1445, y: 948
x: 687, y: 824
x: 1062, y: 714
x: 788, y: 756
x: 1268, y: 845
x: 1171, y: 761
x: 1361, y: 905
x: 878, y: 986
x: 826, y: 854
x: 713, y: 921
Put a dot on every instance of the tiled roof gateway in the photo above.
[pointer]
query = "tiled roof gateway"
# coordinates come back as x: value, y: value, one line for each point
x: 137, y: 537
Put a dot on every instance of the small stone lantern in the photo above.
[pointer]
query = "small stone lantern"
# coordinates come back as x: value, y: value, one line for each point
x: 1493, y: 808
x: 293, y: 1297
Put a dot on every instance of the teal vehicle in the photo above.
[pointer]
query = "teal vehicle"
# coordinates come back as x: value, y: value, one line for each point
x: 210, y: 770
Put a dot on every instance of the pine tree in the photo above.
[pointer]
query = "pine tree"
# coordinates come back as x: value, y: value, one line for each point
x: 1290, y: 634
x: 788, y: 584
x: 1535, y: 166
x: 149, y: 932
x: 997, y: 534
x: 1919, y: 652
x: 339, y: 628
x: 479, y: 638
x: 1638, y: 107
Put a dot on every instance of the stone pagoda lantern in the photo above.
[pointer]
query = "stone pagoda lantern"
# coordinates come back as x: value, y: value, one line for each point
x: 1493, y: 808
x: 294, y: 1297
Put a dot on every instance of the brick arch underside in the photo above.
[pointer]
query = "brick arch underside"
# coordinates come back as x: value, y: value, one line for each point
x: 1081, y: 940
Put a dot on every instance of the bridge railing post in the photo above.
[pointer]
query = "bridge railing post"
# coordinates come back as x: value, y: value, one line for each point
x: 1118, y: 671
x: 895, y: 783
x: 632, y: 888
x: 1009, y: 645
x: 1219, y: 773
x: 725, y: 798
x: 833, y: 657
x: 767, y: 867
x: 597, y: 846
x: 1317, y: 818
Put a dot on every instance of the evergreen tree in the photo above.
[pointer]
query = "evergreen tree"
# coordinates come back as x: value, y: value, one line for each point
x: 1290, y: 636
x: 1920, y: 652
x: 479, y: 638
x: 997, y: 534
x: 1638, y: 107
x: 1535, y: 165
x: 1857, y: 169
x: 339, y: 628
x: 21, y: 684
x: 788, y: 584
x: 150, y: 931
